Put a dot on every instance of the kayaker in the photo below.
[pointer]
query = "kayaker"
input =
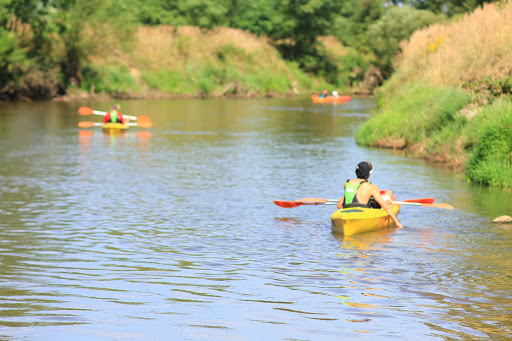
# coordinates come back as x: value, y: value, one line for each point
x: 360, y: 192
x: 324, y: 94
x: 114, y: 115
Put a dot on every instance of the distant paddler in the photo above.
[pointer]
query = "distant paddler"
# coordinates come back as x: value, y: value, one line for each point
x: 115, y: 116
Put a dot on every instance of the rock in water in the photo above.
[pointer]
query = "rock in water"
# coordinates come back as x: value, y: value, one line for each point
x: 503, y: 219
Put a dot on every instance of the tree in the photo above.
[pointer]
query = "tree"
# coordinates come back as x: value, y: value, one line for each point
x: 353, y: 22
x: 447, y: 7
x: 397, y: 24
x: 302, y: 22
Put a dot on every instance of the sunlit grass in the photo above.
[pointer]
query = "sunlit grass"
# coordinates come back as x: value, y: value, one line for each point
x: 417, y: 113
x: 188, y: 61
x: 477, y: 47
x: 490, y: 134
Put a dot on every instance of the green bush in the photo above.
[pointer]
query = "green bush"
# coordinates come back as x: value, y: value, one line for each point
x: 109, y: 79
x: 417, y: 113
x: 490, y: 132
x: 165, y: 80
x: 352, y: 67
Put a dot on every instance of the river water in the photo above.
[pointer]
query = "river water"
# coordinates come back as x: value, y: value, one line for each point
x: 170, y: 233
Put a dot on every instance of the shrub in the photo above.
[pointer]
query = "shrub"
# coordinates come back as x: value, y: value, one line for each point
x: 490, y: 162
x: 110, y: 79
x: 416, y: 113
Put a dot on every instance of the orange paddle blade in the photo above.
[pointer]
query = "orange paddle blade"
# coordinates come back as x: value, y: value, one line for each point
x: 143, y: 118
x: 288, y: 204
x: 422, y: 200
x: 315, y: 199
x: 85, y: 124
x: 291, y: 204
x: 439, y: 205
x: 85, y: 111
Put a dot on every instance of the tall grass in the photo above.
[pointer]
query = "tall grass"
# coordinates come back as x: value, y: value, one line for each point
x: 418, y: 114
x: 477, y: 47
x: 188, y: 61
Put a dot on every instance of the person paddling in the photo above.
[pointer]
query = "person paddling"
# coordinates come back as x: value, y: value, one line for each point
x: 114, y: 115
x: 360, y: 192
x: 324, y: 94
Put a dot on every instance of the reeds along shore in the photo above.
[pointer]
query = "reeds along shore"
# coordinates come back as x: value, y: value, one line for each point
x: 450, y: 98
x: 476, y: 48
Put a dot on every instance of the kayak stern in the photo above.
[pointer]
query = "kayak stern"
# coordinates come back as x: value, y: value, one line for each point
x: 356, y: 220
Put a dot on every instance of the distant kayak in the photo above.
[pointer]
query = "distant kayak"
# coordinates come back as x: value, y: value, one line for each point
x: 116, y: 127
x: 330, y: 99
x: 356, y: 220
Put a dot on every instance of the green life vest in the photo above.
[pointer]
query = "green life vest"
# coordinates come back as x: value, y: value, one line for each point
x: 113, y: 116
x: 351, y: 191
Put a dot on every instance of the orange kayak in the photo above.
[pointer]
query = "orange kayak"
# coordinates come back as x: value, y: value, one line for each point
x: 330, y: 99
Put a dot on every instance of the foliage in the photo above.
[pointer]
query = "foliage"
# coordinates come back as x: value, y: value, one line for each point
x: 352, y: 67
x: 258, y: 17
x: 488, y: 89
x: 397, y: 24
x: 450, y: 7
x: 228, y: 70
x: 296, y: 35
x: 202, y: 13
x: 356, y: 16
x: 418, y: 113
x: 56, y: 39
x: 109, y: 79
x: 490, y: 162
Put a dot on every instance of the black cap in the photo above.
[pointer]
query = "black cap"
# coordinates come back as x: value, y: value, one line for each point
x: 363, y: 170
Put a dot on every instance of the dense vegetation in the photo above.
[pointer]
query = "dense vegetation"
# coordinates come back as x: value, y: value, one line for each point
x: 49, y: 47
x: 442, y: 68
x: 450, y: 97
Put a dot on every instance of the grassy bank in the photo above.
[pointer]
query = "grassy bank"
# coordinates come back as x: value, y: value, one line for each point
x: 186, y: 61
x: 450, y: 98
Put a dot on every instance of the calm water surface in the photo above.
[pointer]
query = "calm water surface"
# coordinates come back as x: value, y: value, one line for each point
x: 170, y: 233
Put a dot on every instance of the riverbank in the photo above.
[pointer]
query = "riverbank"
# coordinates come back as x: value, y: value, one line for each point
x: 450, y: 98
x: 185, y: 61
x: 159, y: 62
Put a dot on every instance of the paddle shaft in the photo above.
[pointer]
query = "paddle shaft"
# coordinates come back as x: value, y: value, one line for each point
x: 421, y: 200
x: 86, y: 124
x: 89, y: 111
x: 291, y: 204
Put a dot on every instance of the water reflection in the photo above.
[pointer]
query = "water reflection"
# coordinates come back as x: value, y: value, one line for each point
x: 366, y: 241
x: 114, y: 138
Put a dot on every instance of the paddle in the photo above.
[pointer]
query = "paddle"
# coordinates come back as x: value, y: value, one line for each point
x: 89, y: 111
x: 291, y: 204
x: 143, y: 124
x: 421, y: 200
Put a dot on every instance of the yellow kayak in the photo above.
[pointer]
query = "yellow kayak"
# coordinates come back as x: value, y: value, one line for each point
x: 116, y: 127
x: 355, y: 220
